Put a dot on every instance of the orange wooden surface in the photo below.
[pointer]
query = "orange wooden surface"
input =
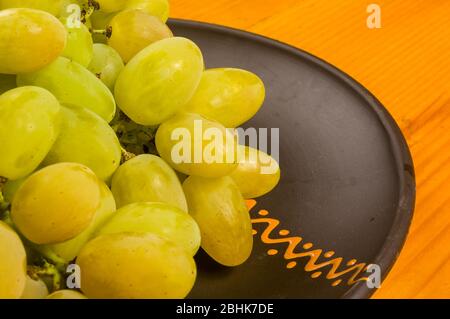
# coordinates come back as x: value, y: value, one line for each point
x: 406, y: 64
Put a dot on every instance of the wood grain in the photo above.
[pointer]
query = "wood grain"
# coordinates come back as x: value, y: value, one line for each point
x: 406, y: 64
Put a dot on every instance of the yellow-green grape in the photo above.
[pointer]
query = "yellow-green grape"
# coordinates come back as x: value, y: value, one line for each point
x: 34, y: 289
x: 29, y: 40
x: 79, y: 47
x: 220, y: 211
x: 147, y: 178
x: 56, y: 203
x: 13, y: 264
x: 73, y: 84
x: 7, y: 82
x: 51, y: 6
x: 135, y: 266
x: 230, y: 96
x: 11, y: 187
x: 257, y: 173
x: 111, y: 5
x: 197, y: 146
x: 157, y: 8
x: 87, y: 139
x: 66, y: 294
x: 68, y: 250
x: 133, y: 30
x: 160, y: 219
x: 159, y: 80
x: 29, y: 125
x: 106, y: 64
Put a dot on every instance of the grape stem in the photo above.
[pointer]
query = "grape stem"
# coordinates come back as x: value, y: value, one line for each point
x: 101, y: 32
x: 107, y: 33
x: 86, y: 13
x: 126, y: 156
x: 94, y: 4
x: 47, y: 269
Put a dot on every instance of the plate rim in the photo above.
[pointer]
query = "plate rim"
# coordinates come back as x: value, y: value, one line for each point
x: 398, y: 233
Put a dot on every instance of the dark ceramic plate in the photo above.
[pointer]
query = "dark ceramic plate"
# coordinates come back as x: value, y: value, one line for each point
x: 347, y: 190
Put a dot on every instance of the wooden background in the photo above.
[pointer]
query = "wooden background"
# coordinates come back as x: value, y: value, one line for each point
x: 406, y: 64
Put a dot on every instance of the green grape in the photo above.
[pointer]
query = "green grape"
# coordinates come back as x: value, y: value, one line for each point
x: 13, y: 264
x: 106, y: 64
x: 257, y: 173
x: 164, y: 220
x: 7, y: 82
x: 66, y: 294
x: 157, y: 8
x: 79, y: 47
x: 68, y: 250
x: 11, y: 187
x: 159, y: 80
x: 29, y: 40
x: 220, y: 211
x: 29, y: 125
x: 184, y: 142
x: 56, y: 203
x: 135, y: 266
x: 73, y: 84
x: 34, y: 289
x: 133, y: 30
x: 230, y: 96
x: 111, y: 5
x: 147, y: 178
x: 51, y: 6
x: 87, y: 139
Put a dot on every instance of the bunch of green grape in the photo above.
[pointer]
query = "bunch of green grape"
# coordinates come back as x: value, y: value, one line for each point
x: 94, y: 98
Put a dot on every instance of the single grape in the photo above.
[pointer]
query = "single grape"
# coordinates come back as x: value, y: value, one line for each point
x: 164, y: 220
x: 34, y: 289
x: 66, y: 294
x: 230, y: 96
x: 194, y: 145
x: 106, y: 64
x: 79, y: 47
x: 13, y: 264
x: 7, y: 82
x: 220, y: 211
x: 111, y: 5
x: 73, y: 84
x: 134, y: 30
x: 86, y: 139
x: 68, y: 250
x: 51, y: 6
x: 29, y: 40
x: 56, y: 203
x: 159, y: 80
x: 157, y: 8
x: 147, y: 178
x: 257, y: 173
x: 135, y: 266
x: 29, y: 125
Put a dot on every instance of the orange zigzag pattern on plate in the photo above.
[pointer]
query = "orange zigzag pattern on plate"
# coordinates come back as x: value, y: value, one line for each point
x: 312, y: 265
